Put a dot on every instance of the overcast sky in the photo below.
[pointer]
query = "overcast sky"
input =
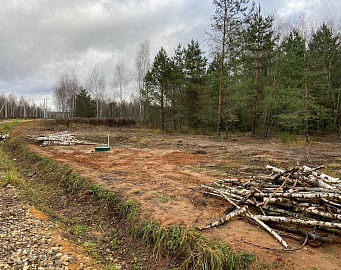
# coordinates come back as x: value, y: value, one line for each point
x: 39, y: 39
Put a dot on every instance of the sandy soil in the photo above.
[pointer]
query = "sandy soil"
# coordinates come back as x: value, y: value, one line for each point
x: 163, y: 174
x: 67, y: 246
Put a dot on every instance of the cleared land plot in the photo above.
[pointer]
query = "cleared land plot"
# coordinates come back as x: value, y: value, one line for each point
x: 163, y: 174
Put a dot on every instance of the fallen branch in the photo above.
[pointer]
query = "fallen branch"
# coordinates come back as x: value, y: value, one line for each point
x: 225, y: 219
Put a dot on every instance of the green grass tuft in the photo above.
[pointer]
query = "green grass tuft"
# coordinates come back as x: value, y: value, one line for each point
x: 190, y: 247
x: 128, y: 209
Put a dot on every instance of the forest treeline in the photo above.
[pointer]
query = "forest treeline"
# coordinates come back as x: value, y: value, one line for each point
x: 261, y: 75
x: 264, y: 78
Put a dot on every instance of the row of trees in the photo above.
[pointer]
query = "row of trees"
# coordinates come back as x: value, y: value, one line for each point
x: 176, y: 89
x: 263, y: 78
x: 99, y: 98
x: 19, y: 107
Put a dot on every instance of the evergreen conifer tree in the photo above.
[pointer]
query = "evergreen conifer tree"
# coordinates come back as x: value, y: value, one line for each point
x: 85, y: 106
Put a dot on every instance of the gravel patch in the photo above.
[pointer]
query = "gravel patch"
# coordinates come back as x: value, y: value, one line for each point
x: 27, y: 242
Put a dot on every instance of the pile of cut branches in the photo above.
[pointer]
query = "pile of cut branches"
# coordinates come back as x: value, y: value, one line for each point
x: 59, y: 138
x: 300, y: 203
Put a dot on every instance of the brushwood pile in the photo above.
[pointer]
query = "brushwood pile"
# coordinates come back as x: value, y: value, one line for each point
x: 299, y: 203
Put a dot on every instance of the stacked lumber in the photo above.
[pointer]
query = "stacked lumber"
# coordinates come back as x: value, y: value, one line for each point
x: 3, y: 137
x: 300, y: 202
x: 59, y: 138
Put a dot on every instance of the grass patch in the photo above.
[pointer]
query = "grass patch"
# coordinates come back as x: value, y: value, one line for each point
x: 143, y: 143
x: 6, y: 127
x: 190, y: 247
x: 92, y: 248
x: 164, y: 198
x: 9, y: 173
x: 79, y: 229
x: 139, y: 192
x: 128, y: 209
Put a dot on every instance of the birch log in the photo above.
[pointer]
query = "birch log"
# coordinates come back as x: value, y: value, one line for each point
x: 310, y: 223
x: 275, y: 170
x: 225, y: 219
x: 315, y: 211
x: 59, y: 138
x: 262, y: 224
x: 271, y: 231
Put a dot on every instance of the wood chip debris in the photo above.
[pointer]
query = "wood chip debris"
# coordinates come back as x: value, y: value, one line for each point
x: 300, y: 203
x: 3, y: 137
x: 58, y: 138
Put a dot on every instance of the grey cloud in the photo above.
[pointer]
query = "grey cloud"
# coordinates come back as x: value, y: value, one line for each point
x: 42, y: 38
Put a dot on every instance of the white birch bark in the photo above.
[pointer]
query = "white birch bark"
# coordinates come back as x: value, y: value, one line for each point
x: 310, y: 223
x: 226, y: 218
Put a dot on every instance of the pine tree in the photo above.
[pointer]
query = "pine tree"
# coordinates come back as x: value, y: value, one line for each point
x: 228, y: 17
x: 324, y: 52
x: 85, y: 106
x: 177, y: 89
x: 260, y: 43
x: 289, y: 96
x: 212, y: 92
x: 195, y: 71
x: 157, y: 81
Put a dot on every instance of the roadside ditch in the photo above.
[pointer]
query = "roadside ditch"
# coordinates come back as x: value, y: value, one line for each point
x: 112, y: 231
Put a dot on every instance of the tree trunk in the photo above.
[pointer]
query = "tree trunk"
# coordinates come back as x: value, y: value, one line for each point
x: 221, y: 82
x: 269, y: 114
x: 162, y: 108
x: 227, y: 127
x: 256, y: 93
x: 306, y: 99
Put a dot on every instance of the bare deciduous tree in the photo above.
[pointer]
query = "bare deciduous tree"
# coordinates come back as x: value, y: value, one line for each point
x: 11, y: 104
x: 121, y: 75
x: 330, y: 16
x: 96, y: 86
x: 142, y: 63
x: 281, y: 27
x: 64, y: 93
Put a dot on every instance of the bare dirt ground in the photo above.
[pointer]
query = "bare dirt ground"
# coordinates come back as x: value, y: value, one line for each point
x: 163, y: 173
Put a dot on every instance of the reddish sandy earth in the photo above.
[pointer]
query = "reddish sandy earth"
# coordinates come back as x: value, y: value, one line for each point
x: 163, y: 173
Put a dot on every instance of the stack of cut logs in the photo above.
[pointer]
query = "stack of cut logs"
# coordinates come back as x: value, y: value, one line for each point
x: 3, y: 137
x: 59, y: 138
x: 300, y: 203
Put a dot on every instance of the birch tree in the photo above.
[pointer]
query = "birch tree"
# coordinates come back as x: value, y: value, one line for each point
x: 142, y: 63
x: 121, y: 78
x: 65, y: 92
x: 96, y: 86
